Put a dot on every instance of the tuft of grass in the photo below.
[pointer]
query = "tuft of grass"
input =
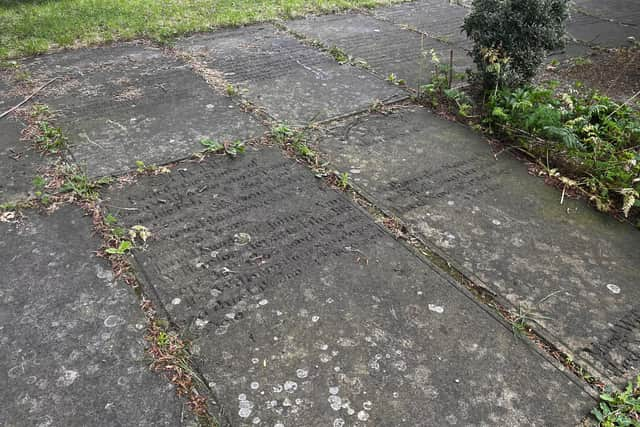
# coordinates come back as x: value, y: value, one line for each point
x: 343, y: 180
x: 33, y: 27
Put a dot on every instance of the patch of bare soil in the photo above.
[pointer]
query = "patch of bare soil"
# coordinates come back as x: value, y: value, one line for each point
x: 613, y: 72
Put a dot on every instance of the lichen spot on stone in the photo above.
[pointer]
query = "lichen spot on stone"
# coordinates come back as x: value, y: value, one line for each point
x: 436, y: 308
x: 614, y: 289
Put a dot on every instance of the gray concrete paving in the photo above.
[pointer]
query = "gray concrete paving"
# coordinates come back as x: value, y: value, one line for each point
x: 302, y: 310
x: 295, y: 83
x: 129, y: 103
x: 72, y: 335
x: 568, y: 267
x: 386, y: 48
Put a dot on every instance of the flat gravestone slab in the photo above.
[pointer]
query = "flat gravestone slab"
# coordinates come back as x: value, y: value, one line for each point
x: 600, y: 32
x: 72, y: 336
x: 625, y: 11
x: 437, y: 18
x: 304, y: 312
x: 293, y: 82
x: 385, y: 47
x: 577, y: 270
x: 128, y: 103
x: 19, y: 162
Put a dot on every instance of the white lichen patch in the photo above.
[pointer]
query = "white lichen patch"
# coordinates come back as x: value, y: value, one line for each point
x: 614, y: 289
x: 335, y: 402
x: 113, y: 321
x: 290, y: 386
x: 436, y: 308
x: 67, y: 378
x: 245, y: 407
x: 363, y: 415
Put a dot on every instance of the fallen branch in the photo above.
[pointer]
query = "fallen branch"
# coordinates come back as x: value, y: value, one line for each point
x: 9, y: 111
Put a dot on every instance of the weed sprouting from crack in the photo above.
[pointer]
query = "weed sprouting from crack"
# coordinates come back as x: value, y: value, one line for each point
x: 171, y: 355
x: 393, y: 79
x: 73, y: 180
x: 231, y: 149
x: 334, y: 51
x: 40, y: 131
x: 144, y: 169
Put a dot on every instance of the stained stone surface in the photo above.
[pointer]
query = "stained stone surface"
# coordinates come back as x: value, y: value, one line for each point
x: 575, y: 269
x: 385, y: 47
x: 571, y: 50
x: 19, y: 162
x: 304, y: 312
x: 293, y: 82
x: 126, y: 103
x: 72, y: 335
x: 8, y: 92
x: 601, y: 32
x: 625, y: 11
x: 437, y: 18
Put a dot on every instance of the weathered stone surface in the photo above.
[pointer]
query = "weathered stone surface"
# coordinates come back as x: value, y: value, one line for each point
x: 572, y: 49
x: 385, y: 47
x: 71, y: 335
x: 437, y: 18
x: 293, y: 82
x: 121, y: 104
x: 8, y: 94
x: 573, y: 270
x: 625, y: 11
x: 304, y: 312
x: 601, y: 32
x: 19, y: 162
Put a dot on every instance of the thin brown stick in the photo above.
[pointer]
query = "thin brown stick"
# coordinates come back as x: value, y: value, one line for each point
x: 10, y: 110
x: 623, y: 104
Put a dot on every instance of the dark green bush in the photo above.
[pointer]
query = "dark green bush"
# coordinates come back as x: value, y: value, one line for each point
x: 511, y: 37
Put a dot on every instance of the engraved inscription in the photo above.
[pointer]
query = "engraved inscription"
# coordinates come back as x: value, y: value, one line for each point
x: 240, y: 228
x: 620, y: 352
x: 467, y: 178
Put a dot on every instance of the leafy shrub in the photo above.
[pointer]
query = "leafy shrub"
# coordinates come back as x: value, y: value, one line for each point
x: 592, y: 138
x: 511, y: 37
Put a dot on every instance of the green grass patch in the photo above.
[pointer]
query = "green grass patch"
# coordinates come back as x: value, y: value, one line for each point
x: 35, y: 26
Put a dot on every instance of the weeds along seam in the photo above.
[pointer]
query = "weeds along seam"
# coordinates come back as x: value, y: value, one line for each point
x: 342, y: 57
x: 215, y: 79
x: 169, y: 353
x: 520, y: 325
